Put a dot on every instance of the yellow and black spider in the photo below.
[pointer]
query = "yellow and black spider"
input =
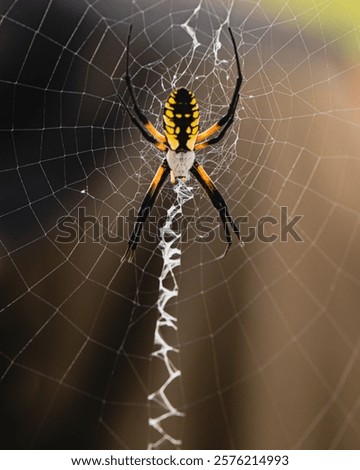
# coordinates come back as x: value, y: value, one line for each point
x: 182, y: 138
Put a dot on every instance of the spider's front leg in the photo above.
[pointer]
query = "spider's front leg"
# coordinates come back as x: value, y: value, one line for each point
x: 218, y: 202
x: 146, y: 206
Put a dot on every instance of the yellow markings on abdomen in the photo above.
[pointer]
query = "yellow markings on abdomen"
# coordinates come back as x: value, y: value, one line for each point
x: 181, y: 120
x: 168, y: 121
x: 169, y: 113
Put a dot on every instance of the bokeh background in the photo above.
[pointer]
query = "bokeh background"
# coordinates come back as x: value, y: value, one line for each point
x: 268, y: 336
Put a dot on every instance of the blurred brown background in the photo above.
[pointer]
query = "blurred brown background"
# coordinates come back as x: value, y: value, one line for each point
x: 268, y: 336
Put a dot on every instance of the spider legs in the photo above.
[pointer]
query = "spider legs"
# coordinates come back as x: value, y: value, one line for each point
x: 160, y: 141
x: 147, y: 129
x: 148, y: 202
x: 218, y: 202
x: 225, y: 122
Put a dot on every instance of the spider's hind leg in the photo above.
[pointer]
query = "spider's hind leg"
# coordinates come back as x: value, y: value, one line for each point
x: 218, y: 202
x: 129, y: 254
x: 146, y: 206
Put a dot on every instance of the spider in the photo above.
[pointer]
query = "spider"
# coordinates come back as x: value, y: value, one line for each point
x: 182, y: 138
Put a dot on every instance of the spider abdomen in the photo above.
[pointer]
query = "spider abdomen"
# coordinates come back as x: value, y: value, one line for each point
x: 181, y: 120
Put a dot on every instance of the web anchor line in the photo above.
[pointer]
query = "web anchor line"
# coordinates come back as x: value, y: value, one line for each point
x: 163, y: 349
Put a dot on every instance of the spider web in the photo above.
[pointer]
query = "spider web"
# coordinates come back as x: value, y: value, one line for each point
x: 267, y: 337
